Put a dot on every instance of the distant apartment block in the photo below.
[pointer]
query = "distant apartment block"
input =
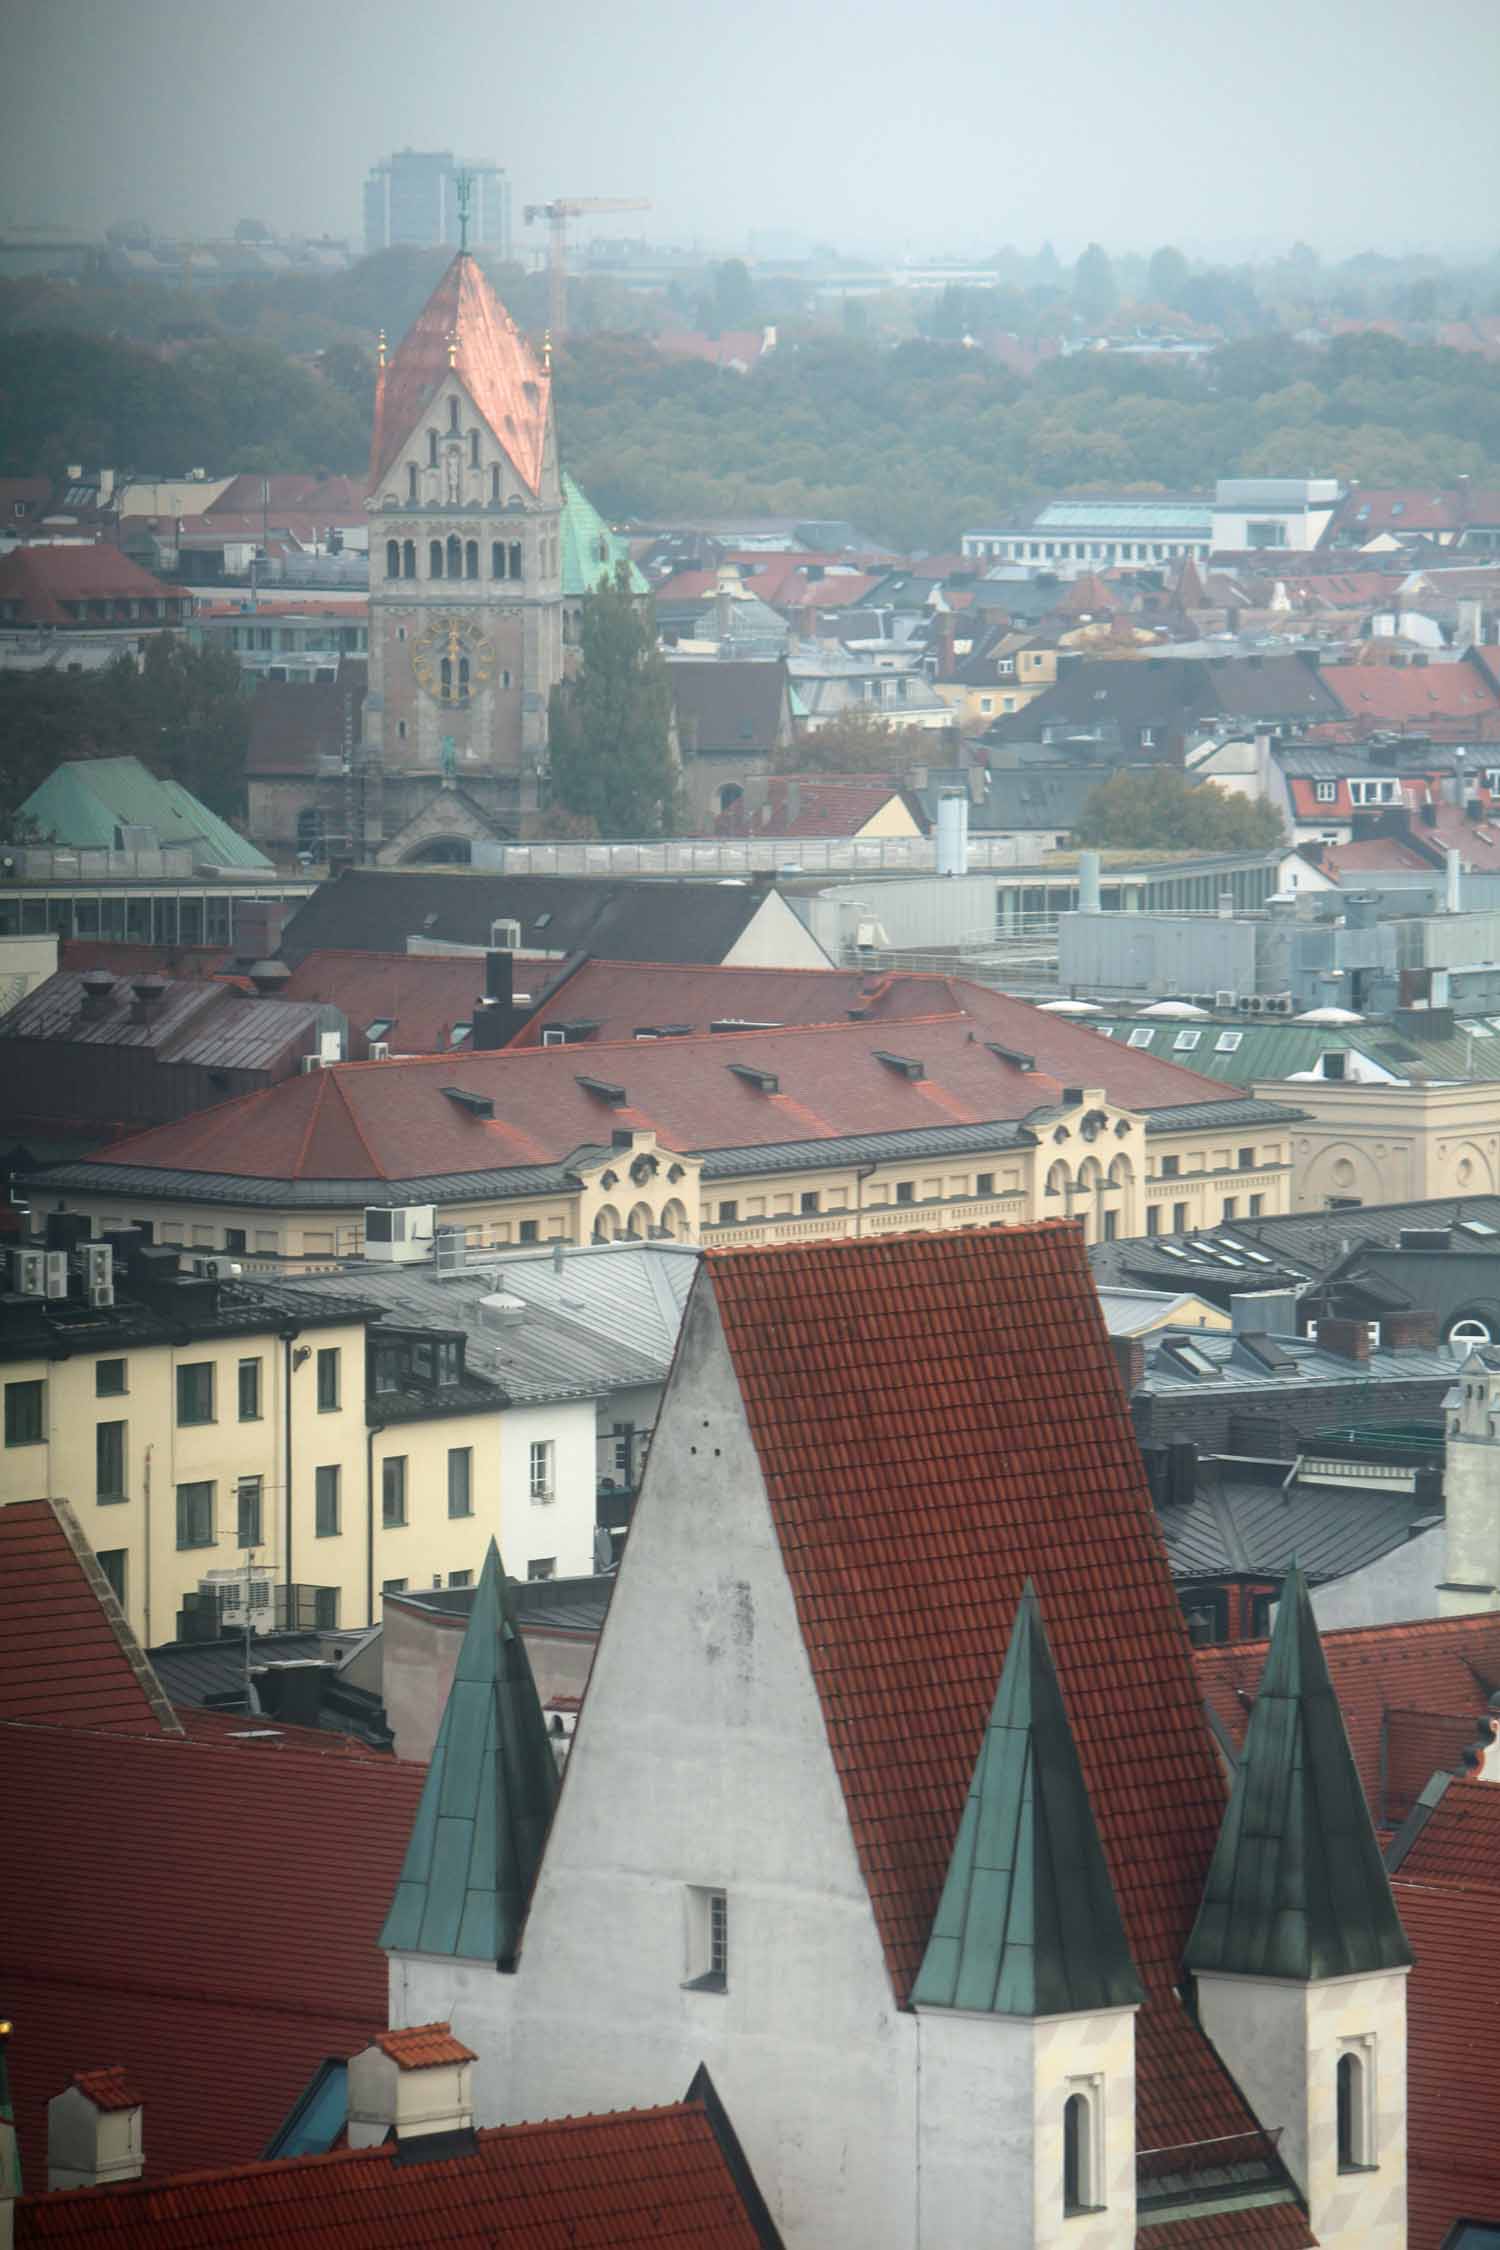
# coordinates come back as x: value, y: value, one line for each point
x: 1247, y: 515
x: 411, y: 200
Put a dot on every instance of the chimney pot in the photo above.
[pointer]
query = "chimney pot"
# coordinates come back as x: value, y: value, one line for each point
x: 417, y: 2083
x: 94, y: 2131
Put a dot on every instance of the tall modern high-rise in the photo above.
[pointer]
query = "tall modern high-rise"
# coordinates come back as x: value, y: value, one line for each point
x: 411, y: 198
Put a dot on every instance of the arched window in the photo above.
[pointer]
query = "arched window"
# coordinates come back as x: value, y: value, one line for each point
x: 1356, y: 2153
x: 1465, y: 1334
x: 393, y: 558
x: 473, y: 449
x: 638, y: 1225
x: 455, y: 555
x: 432, y: 449
x: 411, y: 480
x: 463, y: 679
x: 730, y: 794
x: 515, y: 559
x: 435, y: 559
x: 497, y: 558
x: 453, y: 413
x: 447, y: 679
x: 408, y: 558
x: 607, y: 1224
x: 495, y: 481
x: 471, y: 559
x: 1059, y: 1180
x: 1078, y: 2154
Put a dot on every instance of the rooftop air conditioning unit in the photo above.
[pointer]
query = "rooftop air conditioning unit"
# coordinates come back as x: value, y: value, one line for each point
x: 401, y: 1236
x: 380, y: 1050
x: 312, y: 1062
x: 101, y: 1295
x: 245, y: 1598
x: 1223, y: 1000
x: 216, y: 1269
x: 97, y: 1264
x: 1282, y: 1005
x: 1256, y: 1005
x: 29, y: 1271
x: 56, y: 1283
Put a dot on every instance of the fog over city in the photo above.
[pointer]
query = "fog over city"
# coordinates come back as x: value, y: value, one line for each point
x: 1356, y: 124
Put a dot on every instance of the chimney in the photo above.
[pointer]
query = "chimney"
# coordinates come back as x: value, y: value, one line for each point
x: 1414, y: 1331
x: 1130, y: 1362
x: 1263, y: 1312
x: 1088, y: 882
x: 98, y: 985
x: 1347, y: 1339
x: 94, y: 2132
x: 148, y: 995
x: 494, y: 1012
x: 416, y: 2083
x: 269, y: 978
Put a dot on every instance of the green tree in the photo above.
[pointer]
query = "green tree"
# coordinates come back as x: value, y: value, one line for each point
x: 858, y: 742
x: 1166, y: 277
x: 611, y: 726
x: 1159, y: 809
x: 734, y: 296
x: 1094, y: 292
x: 183, y: 713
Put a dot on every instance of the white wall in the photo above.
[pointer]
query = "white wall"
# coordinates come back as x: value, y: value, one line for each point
x: 25, y: 962
x: 775, y: 938
x: 1400, y: 1586
x: 563, y: 1527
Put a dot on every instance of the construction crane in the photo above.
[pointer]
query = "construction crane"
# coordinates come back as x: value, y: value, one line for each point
x: 557, y: 216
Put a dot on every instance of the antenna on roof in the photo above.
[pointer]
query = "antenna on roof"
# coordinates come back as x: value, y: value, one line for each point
x: 463, y: 185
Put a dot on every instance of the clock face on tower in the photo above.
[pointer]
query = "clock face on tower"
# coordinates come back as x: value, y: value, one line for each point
x: 451, y: 660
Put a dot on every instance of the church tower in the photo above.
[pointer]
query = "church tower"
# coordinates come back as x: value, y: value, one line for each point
x: 465, y: 502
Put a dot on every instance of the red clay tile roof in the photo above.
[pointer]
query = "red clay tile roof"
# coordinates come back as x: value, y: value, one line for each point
x: 1280, y: 2228
x: 795, y: 806
x: 42, y: 579
x: 67, y: 1660
x: 107, y: 2089
x: 204, y: 1912
x: 1420, y: 696
x: 641, y: 2177
x: 1453, y: 2095
x: 422, y: 2046
x: 392, y: 1121
x: 420, y: 995
x: 936, y: 1418
x: 1459, y: 1842
x: 276, y: 497
x: 1441, y: 1668
x: 493, y: 361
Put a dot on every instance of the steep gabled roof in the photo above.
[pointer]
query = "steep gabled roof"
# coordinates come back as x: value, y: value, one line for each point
x: 491, y: 358
x: 67, y: 1656
x: 1297, y: 1887
x: 938, y: 1418
x: 487, y: 1803
x: 1028, y: 1924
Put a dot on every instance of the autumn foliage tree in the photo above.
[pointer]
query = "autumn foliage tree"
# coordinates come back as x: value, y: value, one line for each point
x: 1160, y: 809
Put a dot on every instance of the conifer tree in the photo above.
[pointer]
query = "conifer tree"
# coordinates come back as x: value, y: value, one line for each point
x: 610, y: 727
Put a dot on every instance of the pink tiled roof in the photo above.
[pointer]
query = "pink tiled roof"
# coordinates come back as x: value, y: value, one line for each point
x: 492, y: 360
x: 107, y: 2089
x: 64, y: 1662
x: 43, y: 579
x: 423, y: 2046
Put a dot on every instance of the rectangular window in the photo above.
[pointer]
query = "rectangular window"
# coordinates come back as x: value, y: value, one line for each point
x: 460, y: 1480
x: 195, y: 1515
x: 808, y: 1203
x: 109, y: 1463
x: 1111, y: 1225
x: 541, y: 1567
x: 543, y: 1469
x: 728, y: 1213
x: 1247, y: 1160
x: 906, y: 1191
x: 248, y: 1498
x: 111, y: 1561
x: 1231, y: 1207
x: 707, y: 1939
x: 1179, y: 1218
x: 527, y: 1231
x: 109, y: 1378
x: 328, y: 1380
x: 393, y: 1585
x: 1153, y: 1219
x: 325, y: 1609
x: 25, y: 1413
x: 460, y: 1577
x: 1257, y: 1206
x: 393, y: 1491
x: 984, y: 1183
x: 234, y: 1240
x: 249, y: 1390
x: 195, y: 1392
x: 326, y: 1502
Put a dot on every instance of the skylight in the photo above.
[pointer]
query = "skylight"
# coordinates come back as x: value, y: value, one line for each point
x: 1140, y: 1038
x: 1227, y: 1042
x: 380, y: 1028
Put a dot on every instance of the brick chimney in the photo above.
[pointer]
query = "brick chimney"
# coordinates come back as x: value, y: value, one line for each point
x: 416, y: 2083
x: 1349, y: 1339
x: 1414, y: 1331
x: 94, y: 2132
x: 1130, y: 1362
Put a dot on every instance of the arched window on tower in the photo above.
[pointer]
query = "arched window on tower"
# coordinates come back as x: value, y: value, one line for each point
x: 411, y: 480
x: 393, y: 558
x: 435, y: 558
x: 453, y: 413
x: 463, y: 679
x: 447, y: 679
x: 473, y: 449
x: 432, y: 449
x: 1078, y: 2155
x: 1356, y: 2135
x: 471, y: 559
x: 408, y: 558
x: 515, y: 559
x: 495, y: 481
x: 497, y: 558
x: 455, y: 555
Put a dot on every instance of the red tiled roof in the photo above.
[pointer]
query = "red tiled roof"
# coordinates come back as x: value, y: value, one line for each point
x: 1459, y: 1842
x: 421, y: 2046
x: 421, y: 995
x: 107, y: 2089
x: 640, y: 2177
x: 798, y: 806
x: 492, y: 360
x: 257, y: 497
x: 1281, y: 2227
x: 255, y: 1731
x: 938, y: 1418
x: 42, y: 579
x: 392, y: 1120
x: 1412, y: 695
x: 1453, y: 2095
x: 1444, y: 1667
x: 1371, y: 852
x: 64, y: 1662
x: 77, y: 954
x: 206, y: 1914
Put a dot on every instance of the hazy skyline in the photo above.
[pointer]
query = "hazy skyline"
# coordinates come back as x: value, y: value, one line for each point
x: 1354, y: 125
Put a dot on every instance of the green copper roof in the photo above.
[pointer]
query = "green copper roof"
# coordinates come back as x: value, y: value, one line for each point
x: 590, y: 550
x: 1296, y: 1887
x: 482, y: 1824
x: 85, y: 801
x: 1028, y: 1924
x: 1285, y: 1048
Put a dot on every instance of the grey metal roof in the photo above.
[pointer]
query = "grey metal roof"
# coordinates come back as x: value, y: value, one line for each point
x: 1237, y: 1369
x: 1297, y: 1246
x: 1245, y: 1521
x: 1193, y: 1116
x: 168, y: 1183
x: 863, y: 1148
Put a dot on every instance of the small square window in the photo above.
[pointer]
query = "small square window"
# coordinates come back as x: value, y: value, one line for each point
x: 527, y: 1231
x: 984, y: 1183
x: 109, y: 1378
x: 540, y: 1568
x: 809, y: 1202
x: 728, y: 1213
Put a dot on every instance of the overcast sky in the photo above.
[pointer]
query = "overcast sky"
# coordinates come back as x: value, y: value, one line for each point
x: 961, y: 124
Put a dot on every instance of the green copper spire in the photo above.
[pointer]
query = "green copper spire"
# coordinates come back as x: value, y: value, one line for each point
x: 1296, y: 1887
x: 1028, y: 1924
x: 10, y: 2147
x: 482, y: 1824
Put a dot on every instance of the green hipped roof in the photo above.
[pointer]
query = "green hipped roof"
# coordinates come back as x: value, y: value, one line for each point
x: 81, y: 804
x: 482, y: 1823
x: 590, y: 550
x: 1296, y: 1887
x: 1285, y: 1047
x: 1028, y: 1924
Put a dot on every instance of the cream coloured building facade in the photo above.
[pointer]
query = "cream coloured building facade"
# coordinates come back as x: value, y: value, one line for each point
x: 1392, y: 1144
